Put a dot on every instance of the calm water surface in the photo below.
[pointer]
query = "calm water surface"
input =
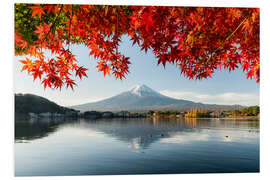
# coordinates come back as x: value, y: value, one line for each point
x: 135, y: 146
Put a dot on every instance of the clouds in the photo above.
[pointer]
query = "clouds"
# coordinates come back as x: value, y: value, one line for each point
x: 186, y: 138
x: 229, y: 98
x: 217, y: 133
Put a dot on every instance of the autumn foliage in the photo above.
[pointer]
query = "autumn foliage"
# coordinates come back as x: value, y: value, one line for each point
x: 197, y: 40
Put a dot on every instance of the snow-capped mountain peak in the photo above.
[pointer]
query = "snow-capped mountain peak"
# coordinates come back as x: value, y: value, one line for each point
x: 143, y: 98
x: 143, y: 90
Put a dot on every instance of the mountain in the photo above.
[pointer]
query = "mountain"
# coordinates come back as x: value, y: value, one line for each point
x: 25, y: 103
x: 143, y: 98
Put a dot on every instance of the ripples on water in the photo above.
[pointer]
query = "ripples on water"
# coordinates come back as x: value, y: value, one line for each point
x: 135, y: 146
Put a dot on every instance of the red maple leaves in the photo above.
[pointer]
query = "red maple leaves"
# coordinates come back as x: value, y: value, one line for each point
x: 104, y: 67
x: 42, y: 30
x: 37, y: 10
x: 197, y: 40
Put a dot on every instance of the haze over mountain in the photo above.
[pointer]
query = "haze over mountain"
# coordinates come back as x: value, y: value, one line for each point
x: 143, y: 98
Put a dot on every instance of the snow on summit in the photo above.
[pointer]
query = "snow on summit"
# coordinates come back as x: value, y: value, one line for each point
x: 143, y: 98
x: 143, y: 90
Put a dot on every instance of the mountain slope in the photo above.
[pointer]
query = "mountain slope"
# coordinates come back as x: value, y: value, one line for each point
x: 25, y: 103
x: 142, y: 98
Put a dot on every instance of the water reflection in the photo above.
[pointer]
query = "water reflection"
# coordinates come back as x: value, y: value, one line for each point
x: 141, y: 133
x: 31, y: 129
x: 135, y: 146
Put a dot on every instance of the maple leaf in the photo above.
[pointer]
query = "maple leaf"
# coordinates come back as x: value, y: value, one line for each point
x: 162, y: 60
x: 37, y: 73
x: 51, y: 8
x: 70, y: 83
x: 58, y: 83
x: 119, y: 75
x: 135, y: 39
x: 37, y: 10
x: 106, y: 70
x: 104, y: 67
x: 185, y: 36
x: 24, y: 44
x: 145, y: 45
x: 42, y: 30
x: 81, y: 72
x: 147, y: 20
x: 135, y: 21
x: 27, y: 64
x: 46, y: 82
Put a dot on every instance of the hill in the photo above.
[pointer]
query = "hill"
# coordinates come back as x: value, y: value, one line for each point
x: 25, y: 103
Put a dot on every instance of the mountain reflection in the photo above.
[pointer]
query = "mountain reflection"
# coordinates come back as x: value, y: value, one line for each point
x: 137, y: 133
x: 35, y: 129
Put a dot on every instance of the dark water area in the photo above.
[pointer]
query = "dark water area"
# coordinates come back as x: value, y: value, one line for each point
x: 59, y: 147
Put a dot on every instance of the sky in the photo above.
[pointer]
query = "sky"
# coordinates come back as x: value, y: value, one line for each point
x: 223, y: 88
x: 235, y: 82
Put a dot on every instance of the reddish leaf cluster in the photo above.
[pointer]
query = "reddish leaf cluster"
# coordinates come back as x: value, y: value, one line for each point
x: 197, y: 40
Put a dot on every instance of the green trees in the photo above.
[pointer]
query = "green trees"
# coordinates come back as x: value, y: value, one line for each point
x: 248, y: 111
x: 251, y: 111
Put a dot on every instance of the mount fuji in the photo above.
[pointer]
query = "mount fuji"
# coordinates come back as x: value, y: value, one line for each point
x: 143, y: 98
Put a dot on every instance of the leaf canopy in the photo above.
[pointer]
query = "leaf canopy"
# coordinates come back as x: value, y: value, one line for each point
x: 198, y: 40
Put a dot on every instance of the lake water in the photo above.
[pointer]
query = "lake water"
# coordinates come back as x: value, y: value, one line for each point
x: 135, y: 146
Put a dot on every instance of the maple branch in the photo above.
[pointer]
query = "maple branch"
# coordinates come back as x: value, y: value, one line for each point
x: 117, y: 29
x: 56, y: 17
x: 236, y: 29
x: 172, y: 34
x: 54, y: 21
x: 228, y: 37
x: 70, y: 27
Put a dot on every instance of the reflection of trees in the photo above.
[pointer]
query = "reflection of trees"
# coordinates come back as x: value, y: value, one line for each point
x: 141, y: 133
x: 35, y: 129
x: 191, y: 122
x: 172, y: 123
x: 138, y: 133
x: 240, y: 123
x: 187, y: 122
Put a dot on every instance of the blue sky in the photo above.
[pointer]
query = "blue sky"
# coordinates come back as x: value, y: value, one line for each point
x: 223, y: 88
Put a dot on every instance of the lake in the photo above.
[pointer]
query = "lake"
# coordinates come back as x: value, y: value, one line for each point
x: 55, y: 147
